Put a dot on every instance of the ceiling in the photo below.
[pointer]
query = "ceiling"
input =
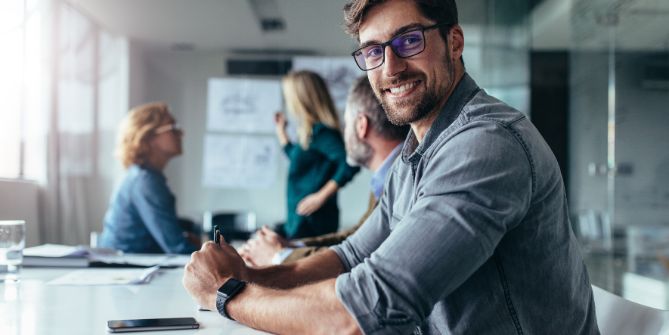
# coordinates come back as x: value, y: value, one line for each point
x: 312, y: 27
x: 315, y: 27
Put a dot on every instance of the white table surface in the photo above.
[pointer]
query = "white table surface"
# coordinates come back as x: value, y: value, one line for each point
x: 32, y: 307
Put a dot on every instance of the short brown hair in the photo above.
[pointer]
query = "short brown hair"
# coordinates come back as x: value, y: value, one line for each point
x: 440, y: 11
x: 137, y: 128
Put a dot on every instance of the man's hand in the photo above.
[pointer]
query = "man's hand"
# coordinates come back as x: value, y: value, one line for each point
x: 209, y: 268
x: 261, y: 250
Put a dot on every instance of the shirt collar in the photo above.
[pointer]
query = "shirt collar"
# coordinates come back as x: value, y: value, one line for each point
x: 379, y: 176
x: 463, y: 92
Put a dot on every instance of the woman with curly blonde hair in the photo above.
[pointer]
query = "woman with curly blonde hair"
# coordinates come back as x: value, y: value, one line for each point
x: 141, y: 217
x: 318, y: 166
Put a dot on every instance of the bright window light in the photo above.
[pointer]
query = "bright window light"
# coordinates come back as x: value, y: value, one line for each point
x: 12, y: 18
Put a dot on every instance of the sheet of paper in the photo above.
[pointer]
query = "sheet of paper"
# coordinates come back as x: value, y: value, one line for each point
x: 143, y: 259
x: 243, y: 105
x: 176, y: 260
x: 54, y: 250
x: 106, y: 277
x: 338, y: 72
x: 239, y: 161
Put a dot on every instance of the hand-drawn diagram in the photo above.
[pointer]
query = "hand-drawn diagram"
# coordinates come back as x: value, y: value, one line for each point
x: 242, y: 105
x: 239, y: 161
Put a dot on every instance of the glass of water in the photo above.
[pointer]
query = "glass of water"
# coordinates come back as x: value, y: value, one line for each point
x: 12, y: 241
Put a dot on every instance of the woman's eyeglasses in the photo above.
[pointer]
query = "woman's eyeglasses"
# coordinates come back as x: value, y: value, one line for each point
x: 404, y: 45
x: 168, y: 127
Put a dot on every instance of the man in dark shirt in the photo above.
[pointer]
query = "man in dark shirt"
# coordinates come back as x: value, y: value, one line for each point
x: 471, y: 235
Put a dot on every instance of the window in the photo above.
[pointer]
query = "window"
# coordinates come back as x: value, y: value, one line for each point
x: 23, y: 83
x: 12, y: 81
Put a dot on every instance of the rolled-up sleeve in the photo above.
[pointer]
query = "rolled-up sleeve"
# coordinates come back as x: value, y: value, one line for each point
x: 462, y: 209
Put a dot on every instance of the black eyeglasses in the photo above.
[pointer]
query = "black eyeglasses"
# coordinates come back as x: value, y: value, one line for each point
x: 404, y: 45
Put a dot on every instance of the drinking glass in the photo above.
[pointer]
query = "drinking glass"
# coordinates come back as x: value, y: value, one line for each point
x: 12, y: 241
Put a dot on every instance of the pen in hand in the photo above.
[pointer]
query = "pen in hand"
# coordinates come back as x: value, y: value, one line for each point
x: 217, y: 236
x: 217, y: 240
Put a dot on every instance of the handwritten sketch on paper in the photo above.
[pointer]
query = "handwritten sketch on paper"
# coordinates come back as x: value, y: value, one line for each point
x: 338, y: 72
x: 239, y: 161
x: 242, y: 105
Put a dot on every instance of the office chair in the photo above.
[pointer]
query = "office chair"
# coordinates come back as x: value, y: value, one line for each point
x: 618, y: 316
x: 233, y: 225
x: 189, y: 225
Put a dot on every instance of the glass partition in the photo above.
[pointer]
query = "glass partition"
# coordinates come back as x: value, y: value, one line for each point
x: 497, y: 48
x: 619, y: 144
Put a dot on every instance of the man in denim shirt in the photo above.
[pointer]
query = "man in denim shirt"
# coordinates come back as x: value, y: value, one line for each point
x: 471, y: 235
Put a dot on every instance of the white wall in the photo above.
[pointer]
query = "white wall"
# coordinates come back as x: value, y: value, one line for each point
x: 19, y: 200
x: 136, y: 74
x: 180, y: 79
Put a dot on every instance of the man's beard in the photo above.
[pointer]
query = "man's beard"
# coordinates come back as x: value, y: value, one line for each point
x: 358, y: 153
x: 407, y: 112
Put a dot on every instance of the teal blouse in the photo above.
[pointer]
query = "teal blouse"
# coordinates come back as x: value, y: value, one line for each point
x: 309, y: 170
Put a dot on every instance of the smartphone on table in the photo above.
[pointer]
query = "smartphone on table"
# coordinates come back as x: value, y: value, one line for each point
x: 138, y: 325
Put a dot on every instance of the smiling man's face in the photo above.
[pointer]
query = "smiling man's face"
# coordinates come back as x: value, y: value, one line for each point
x: 409, y: 88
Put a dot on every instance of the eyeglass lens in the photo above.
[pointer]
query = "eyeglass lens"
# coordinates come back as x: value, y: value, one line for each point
x: 406, y: 45
x: 168, y: 127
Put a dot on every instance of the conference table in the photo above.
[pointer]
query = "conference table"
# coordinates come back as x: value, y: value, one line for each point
x: 34, y: 306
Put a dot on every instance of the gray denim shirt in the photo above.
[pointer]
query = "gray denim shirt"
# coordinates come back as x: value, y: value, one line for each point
x: 471, y: 235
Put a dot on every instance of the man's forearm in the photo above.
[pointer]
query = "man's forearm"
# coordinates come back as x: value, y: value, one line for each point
x: 318, y: 267
x: 308, y: 309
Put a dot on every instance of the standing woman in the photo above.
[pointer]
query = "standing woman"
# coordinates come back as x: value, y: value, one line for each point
x: 318, y: 162
x: 141, y: 217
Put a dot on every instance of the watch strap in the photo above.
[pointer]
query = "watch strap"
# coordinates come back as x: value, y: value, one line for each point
x: 226, y: 292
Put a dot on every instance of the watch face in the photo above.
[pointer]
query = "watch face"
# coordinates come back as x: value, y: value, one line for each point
x: 226, y: 292
x: 231, y: 286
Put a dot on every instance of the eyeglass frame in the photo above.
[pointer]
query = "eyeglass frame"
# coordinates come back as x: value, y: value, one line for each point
x: 173, y: 127
x: 390, y: 41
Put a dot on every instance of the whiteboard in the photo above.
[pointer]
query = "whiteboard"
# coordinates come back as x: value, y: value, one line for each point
x: 239, y: 161
x: 242, y: 105
x: 338, y: 72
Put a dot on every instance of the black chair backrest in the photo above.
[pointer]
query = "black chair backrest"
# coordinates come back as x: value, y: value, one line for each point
x: 233, y: 226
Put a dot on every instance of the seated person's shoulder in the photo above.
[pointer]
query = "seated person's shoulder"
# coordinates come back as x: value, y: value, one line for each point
x: 146, y: 180
x: 148, y: 176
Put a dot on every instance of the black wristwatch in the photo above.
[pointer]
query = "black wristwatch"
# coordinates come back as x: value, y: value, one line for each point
x: 226, y: 292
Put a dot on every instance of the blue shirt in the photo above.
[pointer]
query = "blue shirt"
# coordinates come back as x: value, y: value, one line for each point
x: 471, y: 235
x: 141, y: 217
x: 379, y: 176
